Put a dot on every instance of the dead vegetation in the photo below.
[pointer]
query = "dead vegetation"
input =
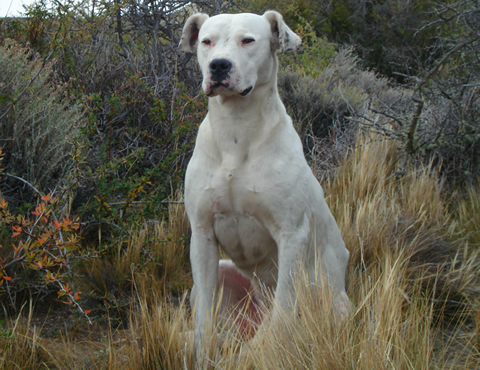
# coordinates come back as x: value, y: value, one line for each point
x: 413, y: 278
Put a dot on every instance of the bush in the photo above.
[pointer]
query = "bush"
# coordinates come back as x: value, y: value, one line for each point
x: 39, y: 260
x: 436, y: 123
x: 323, y: 101
x: 39, y: 124
x: 332, y: 94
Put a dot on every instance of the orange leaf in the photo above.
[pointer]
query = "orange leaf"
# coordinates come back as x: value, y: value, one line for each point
x: 39, y: 209
x: 17, y: 230
x: 17, y: 250
x: 47, y: 198
x: 8, y: 278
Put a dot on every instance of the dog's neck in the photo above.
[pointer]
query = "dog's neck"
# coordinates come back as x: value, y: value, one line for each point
x: 240, y: 122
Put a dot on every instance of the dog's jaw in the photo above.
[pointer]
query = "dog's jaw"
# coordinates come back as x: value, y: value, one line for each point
x: 221, y: 88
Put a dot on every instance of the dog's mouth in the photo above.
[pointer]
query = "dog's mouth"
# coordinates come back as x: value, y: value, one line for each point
x: 226, y: 85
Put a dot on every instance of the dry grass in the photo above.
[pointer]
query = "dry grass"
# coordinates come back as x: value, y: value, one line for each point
x: 21, y: 346
x: 413, y: 278
x: 381, y: 212
x: 468, y: 214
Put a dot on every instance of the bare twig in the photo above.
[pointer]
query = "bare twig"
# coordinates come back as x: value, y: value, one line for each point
x: 444, y: 58
x: 410, y: 146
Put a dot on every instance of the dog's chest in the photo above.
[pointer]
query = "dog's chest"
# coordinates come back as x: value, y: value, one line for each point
x: 239, y: 215
x: 243, y: 238
x: 233, y: 185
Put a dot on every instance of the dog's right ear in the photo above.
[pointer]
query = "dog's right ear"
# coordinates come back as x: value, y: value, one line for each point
x: 188, y: 42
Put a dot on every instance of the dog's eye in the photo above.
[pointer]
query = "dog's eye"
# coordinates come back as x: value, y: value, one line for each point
x: 206, y: 42
x: 247, y: 40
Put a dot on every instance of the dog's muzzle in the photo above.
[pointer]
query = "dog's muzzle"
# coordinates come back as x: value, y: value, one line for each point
x: 220, y: 69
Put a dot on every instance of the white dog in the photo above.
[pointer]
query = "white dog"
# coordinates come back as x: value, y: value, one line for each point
x: 248, y: 187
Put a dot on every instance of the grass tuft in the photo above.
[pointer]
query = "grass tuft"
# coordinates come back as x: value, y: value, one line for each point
x: 382, y: 211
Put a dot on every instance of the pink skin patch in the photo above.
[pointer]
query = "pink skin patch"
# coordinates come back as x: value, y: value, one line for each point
x: 238, y: 299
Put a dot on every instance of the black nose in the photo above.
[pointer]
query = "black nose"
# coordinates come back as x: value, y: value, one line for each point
x: 219, y: 68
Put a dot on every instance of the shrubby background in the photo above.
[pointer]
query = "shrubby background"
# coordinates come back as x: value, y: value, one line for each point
x: 98, y: 116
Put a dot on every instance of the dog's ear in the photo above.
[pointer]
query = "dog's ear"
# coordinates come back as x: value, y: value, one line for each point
x: 188, y: 42
x: 283, y: 37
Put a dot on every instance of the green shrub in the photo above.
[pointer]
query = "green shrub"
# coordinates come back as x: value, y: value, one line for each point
x: 39, y: 125
x: 137, y: 152
x: 140, y: 101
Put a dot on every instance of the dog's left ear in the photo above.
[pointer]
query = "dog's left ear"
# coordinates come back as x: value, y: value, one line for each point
x: 188, y: 42
x: 283, y: 37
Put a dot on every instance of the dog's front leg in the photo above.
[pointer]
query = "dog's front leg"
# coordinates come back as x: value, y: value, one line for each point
x: 292, y: 250
x: 204, y: 259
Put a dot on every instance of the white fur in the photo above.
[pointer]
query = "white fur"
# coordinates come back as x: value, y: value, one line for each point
x: 248, y: 187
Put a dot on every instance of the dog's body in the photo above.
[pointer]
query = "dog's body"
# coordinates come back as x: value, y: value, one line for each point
x: 248, y: 187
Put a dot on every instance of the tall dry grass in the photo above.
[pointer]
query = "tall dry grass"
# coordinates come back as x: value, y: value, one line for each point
x: 21, y: 345
x: 382, y: 210
x: 413, y: 278
x: 468, y: 214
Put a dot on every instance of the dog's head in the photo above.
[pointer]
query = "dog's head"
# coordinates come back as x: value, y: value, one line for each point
x: 236, y: 52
